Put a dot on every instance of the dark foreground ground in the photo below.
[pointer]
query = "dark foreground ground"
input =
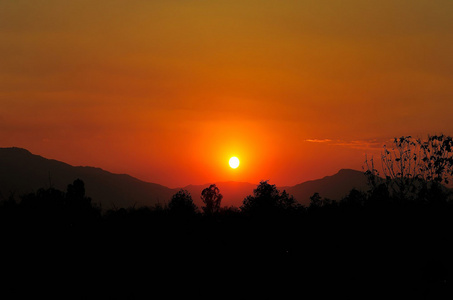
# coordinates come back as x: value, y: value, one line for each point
x: 325, y: 254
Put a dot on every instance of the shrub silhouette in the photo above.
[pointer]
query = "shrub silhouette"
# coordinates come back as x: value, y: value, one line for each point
x: 181, y: 203
x: 316, y: 201
x: 412, y: 165
x: 48, y: 206
x: 355, y: 198
x: 44, y: 201
x: 379, y: 196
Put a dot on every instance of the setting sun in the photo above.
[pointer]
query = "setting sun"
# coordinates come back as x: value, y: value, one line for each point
x: 234, y: 162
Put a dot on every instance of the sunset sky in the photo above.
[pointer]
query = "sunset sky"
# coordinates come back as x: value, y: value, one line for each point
x: 168, y: 91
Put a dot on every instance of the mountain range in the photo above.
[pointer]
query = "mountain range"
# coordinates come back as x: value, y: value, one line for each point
x: 22, y: 172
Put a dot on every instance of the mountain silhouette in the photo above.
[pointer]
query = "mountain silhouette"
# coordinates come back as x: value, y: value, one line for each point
x: 22, y: 172
x: 333, y: 187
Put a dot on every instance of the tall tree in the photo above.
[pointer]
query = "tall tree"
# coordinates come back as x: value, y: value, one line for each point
x: 212, y: 198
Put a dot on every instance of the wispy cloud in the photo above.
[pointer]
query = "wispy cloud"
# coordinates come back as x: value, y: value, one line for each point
x: 365, y: 144
x: 318, y: 140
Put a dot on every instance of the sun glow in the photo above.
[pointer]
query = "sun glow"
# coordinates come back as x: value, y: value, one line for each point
x: 234, y: 162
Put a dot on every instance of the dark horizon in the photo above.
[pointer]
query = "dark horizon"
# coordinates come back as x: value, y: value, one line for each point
x: 12, y: 163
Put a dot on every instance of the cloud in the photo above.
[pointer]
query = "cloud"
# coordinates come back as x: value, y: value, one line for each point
x: 365, y: 144
x: 318, y: 140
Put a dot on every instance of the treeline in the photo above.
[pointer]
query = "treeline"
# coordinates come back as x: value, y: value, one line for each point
x: 73, y: 208
x: 366, y: 244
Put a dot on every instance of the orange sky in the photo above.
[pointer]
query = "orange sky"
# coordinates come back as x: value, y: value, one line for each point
x: 167, y: 91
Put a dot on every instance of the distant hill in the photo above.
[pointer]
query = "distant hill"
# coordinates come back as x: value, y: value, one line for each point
x: 23, y: 172
x: 333, y: 187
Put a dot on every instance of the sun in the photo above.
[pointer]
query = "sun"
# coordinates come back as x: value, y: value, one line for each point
x: 234, y: 162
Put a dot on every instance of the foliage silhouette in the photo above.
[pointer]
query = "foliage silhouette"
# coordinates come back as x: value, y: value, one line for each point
x: 413, y: 165
x: 212, y: 198
x: 267, y: 200
x: 317, y: 201
x: 437, y: 158
x: 355, y: 198
x: 181, y: 203
x: 52, y: 207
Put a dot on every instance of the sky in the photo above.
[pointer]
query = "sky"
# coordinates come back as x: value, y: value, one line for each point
x: 168, y: 91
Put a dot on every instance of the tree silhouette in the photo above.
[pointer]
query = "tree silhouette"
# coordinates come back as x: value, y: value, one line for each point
x: 437, y: 158
x: 315, y: 200
x: 181, y: 203
x: 411, y: 163
x: 355, y: 198
x: 44, y: 200
x: 52, y: 205
x: 267, y: 199
x: 400, y: 165
x: 287, y: 201
x: 78, y: 206
x: 76, y: 189
x: 211, y: 197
